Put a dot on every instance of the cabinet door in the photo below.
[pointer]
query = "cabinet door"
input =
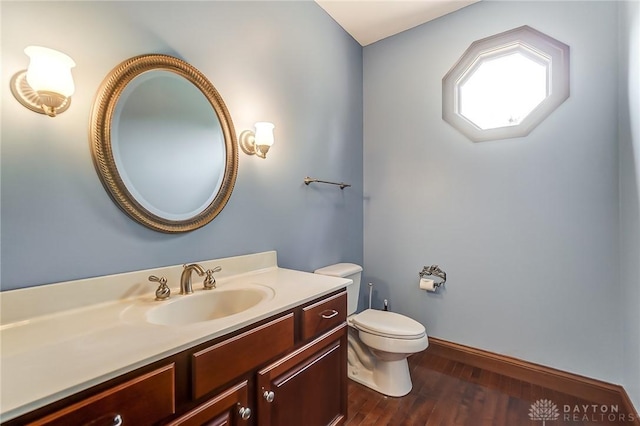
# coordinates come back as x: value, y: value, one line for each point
x: 230, y: 408
x: 307, y: 387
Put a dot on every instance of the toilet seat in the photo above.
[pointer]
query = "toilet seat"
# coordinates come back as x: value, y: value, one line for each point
x: 388, y: 324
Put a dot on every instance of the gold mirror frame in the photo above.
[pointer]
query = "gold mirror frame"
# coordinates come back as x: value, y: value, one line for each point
x: 101, y: 145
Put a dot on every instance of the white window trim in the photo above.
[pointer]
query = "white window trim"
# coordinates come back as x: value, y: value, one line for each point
x: 495, y: 46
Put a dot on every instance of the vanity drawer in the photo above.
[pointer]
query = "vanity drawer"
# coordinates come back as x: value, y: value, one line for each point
x: 219, y: 410
x: 223, y: 362
x: 324, y: 315
x: 143, y: 400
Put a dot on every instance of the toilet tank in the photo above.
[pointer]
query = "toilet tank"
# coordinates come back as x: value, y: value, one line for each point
x: 350, y: 271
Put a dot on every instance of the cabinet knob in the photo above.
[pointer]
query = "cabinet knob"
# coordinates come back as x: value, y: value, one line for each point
x: 245, y: 413
x: 269, y: 396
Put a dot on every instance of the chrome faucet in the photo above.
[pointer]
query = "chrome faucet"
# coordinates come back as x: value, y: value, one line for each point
x: 185, y: 278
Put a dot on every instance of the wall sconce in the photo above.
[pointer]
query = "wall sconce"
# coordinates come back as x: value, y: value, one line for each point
x: 47, y: 85
x: 257, y: 142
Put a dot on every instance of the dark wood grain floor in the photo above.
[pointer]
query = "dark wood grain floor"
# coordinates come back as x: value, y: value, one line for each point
x: 447, y: 392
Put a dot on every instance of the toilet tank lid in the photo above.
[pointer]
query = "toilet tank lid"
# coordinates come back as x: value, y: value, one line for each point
x: 339, y: 270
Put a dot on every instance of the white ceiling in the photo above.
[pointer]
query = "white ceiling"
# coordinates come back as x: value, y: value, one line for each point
x: 371, y: 20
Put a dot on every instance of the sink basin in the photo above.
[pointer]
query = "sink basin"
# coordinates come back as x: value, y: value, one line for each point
x: 207, y: 305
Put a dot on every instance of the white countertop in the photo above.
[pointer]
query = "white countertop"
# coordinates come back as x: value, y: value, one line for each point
x: 49, y: 352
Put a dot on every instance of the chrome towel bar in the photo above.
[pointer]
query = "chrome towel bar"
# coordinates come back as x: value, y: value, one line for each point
x: 309, y: 180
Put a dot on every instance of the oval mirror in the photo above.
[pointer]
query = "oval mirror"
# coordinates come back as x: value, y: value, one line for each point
x: 163, y: 143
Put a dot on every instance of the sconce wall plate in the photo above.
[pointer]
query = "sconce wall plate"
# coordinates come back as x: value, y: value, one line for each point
x: 247, y: 141
x: 30, y: 99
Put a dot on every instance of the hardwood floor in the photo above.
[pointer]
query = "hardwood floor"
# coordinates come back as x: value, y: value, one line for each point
x: 447, y: 392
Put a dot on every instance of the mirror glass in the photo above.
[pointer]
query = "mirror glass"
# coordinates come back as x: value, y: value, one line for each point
x: 163, y: 143
x: 168, y: 145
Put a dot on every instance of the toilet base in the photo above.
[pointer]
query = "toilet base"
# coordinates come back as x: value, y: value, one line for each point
x: 390, y: 378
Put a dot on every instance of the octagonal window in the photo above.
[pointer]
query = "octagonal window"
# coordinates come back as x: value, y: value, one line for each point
x: 503, y: 91
x: 505, y: 85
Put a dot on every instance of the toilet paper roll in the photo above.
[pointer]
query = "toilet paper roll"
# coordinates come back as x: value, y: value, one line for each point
x: 426, y: 284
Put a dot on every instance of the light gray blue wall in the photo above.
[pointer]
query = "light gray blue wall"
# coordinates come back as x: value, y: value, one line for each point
x: 285, y: 62
x: 527, y: 228
x: 630, y: 193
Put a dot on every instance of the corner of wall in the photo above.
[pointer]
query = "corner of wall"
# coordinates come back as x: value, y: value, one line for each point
x: 629, y: 192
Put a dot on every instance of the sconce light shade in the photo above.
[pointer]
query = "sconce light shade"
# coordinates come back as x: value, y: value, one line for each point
x: 47, y: 85
x: 258, y: 142
x: 264, y: 134
x: 49, y: 71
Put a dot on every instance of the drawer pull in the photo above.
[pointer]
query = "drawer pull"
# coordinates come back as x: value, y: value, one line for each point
x: 269, y: 396
x: 116, y: 420
x: 245, y: 413
x: 328, y: 314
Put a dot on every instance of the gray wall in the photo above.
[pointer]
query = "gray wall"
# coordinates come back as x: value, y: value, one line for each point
x: 630, y: 193
x: 527, y: 228
x: 285, y: 62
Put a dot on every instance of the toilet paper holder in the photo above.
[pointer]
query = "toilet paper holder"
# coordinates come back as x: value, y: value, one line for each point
x: 435, y: 271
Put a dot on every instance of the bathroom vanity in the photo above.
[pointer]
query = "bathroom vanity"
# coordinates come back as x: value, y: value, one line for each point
x: 280, y: 361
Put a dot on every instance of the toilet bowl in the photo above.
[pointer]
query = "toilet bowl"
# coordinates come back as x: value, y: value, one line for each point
x: 379, y: 341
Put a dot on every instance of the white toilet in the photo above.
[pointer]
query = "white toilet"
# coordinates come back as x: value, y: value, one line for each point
x: 379, y: 341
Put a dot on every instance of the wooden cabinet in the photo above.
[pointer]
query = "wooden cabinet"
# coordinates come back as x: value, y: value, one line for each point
x: 308, y: 386
x: 143, y: 400
x: 230, y: 407
x: 216, y: 365
x: 299, y: 356
x: 324, y: 315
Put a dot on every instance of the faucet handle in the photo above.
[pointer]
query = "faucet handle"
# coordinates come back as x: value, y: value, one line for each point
x: 163, y: 292
x: 210, y: 281
x: 161, y: 280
